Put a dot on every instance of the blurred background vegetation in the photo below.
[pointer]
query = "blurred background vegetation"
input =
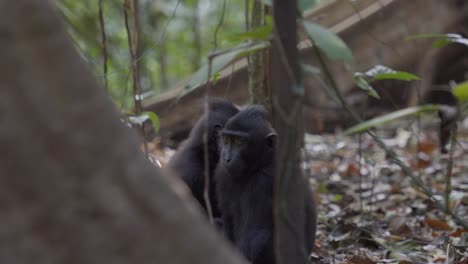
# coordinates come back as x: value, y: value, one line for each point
x: 176, y: 37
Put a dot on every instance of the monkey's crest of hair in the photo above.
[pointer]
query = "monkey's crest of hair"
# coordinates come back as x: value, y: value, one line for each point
x: 220, y: 105
x: 254, y: 112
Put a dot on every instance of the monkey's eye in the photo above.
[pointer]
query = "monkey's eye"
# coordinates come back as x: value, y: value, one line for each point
x: 236, y: 141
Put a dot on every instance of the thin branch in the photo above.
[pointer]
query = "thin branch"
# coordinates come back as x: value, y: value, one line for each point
x: 218, y: 26
x: 448, y: 177
x: 104, y: 44
x: 133, y: 43
x: 162, y: 36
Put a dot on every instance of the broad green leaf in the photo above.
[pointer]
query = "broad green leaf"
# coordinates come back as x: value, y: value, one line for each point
x: 221, y: 61
x: 380, y: 72
x: 258, y: 33
x: 362, y: 83
x: 328, y: 42
x: 380, y: 120
x: 461, y: 92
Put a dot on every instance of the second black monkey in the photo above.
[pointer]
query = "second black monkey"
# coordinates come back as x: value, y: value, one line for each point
x: 189, y: 160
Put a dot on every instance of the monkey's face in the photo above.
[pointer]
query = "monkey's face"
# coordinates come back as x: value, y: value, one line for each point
x: 234, y: 145
x: 247, y: 142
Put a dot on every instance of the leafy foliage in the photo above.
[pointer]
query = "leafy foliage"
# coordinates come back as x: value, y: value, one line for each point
x: 442, y: 40
x: 328, y: 42
x: 220, y: 61
x: 378, y: 121
x: 378, y: 73
x: 461, y: 92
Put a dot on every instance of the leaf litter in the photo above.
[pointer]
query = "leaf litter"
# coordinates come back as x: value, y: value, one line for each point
x: 368, y: 210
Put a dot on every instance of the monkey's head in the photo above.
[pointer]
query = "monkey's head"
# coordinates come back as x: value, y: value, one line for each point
x: 247, y: 142
x: 219, y: 112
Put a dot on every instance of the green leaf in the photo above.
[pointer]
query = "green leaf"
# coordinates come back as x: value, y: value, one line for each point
x: 461, y: 92
x: 361, y: 82
x: 337, y: 198
x: 322, y: 188
x: 328, y: 42
x: 442, y: 39
x: 380, y: 72
x: 441, y: 43
x: 399, y: 75
x: 220, y: 61
x: 154, y: 119
x: 258, y: 33
x: 380, y: 120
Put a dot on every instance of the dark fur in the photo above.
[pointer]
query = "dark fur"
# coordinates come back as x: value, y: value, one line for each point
x: 245, y: 187
x: 188, y: 161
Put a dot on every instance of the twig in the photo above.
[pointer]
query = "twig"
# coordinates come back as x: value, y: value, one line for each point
x: 448, y: 177
x: 218, y: 26
x: 134, y: 46
x: 104, y: 44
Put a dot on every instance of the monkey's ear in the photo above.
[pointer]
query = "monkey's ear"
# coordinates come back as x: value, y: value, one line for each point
x: 271, y: 139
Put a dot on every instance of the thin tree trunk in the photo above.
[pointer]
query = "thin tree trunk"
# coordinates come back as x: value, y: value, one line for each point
x: 155, y: 18
x: 74, y: 187
x: 196, y: 36
x: 294, y: 211
x: 256, y: 69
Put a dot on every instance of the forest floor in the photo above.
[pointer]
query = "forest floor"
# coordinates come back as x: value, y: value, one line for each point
x: 372, y: 212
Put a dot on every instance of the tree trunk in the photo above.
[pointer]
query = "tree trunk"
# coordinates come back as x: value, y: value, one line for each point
x: 155, y: 19
x: 292, y: 241
x: 257, y: 63
x: 74, y: 187
x: 196, y: 36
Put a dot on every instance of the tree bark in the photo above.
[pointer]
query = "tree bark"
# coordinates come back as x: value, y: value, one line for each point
x: 257, y: 67
x: 294, y: 231
x: 74, y: 187
x: 196, y: 36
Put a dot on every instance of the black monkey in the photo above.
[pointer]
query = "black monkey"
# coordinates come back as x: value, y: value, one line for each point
x: 189, y: 160
x: 245, y: 179
x: 245, y: 183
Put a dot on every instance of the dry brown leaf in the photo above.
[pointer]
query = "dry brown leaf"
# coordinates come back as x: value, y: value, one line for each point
x: 427, y: 146
x: 352, y: 170
x: 459, y: 232
x: 437, y: 224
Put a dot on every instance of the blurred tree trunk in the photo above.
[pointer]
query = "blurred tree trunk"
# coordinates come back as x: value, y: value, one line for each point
x: 291, y: 191
x: 196, y: 36
x: 133, y: 32
x: 155, y: 18
x: 74, y: 187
